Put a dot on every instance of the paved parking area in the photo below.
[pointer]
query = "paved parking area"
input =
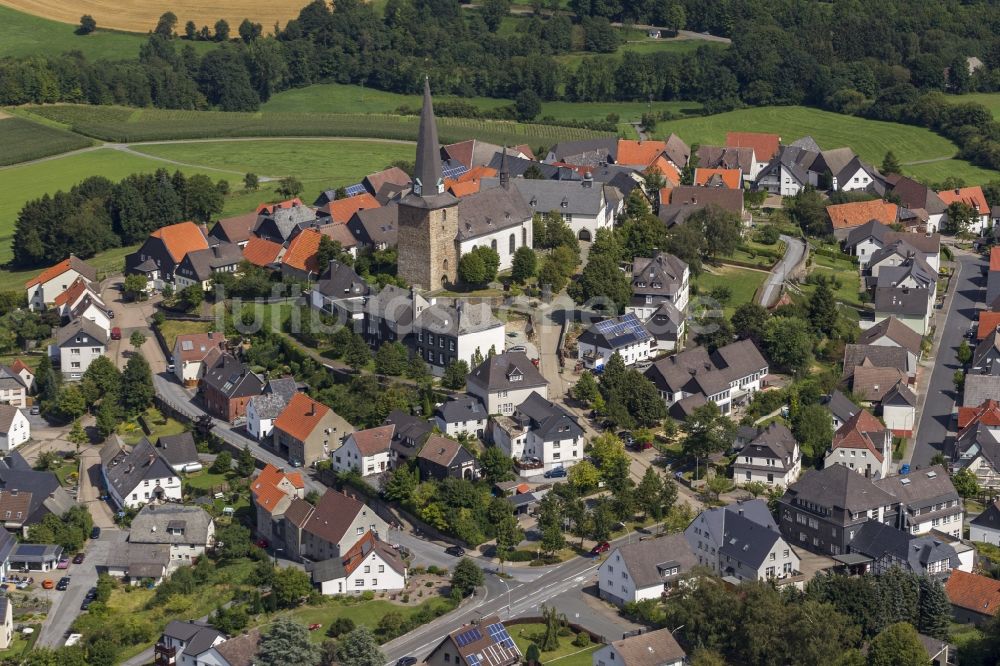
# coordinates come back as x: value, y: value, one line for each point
x: 66, y: 605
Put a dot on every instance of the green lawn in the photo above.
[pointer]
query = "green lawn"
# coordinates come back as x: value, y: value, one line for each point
x: 24, y: 140
x: 871, y: 139
x: 366, y: 613
x: 566, y: 654
x: 319, y: 164
x: 990, y: 100
x: 159, y: 425
x: 24, y: 35
x: 936, y: 172
x: 625, y: 110
x: 204, y: 480
x: 742, y: 282
x: 171, y: 328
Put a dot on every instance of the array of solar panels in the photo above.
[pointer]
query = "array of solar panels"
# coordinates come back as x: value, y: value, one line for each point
x: 622, y: 331
x: 498, y: 633
x: 468, y: 636
x: 354, y: 190
x: 452, y: 169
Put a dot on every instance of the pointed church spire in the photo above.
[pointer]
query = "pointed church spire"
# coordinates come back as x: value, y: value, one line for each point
x: 427, y: 180
x: 504, y: 173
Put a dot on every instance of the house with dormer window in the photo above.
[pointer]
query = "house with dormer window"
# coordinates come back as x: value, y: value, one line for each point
x: 504, y: 381
x: 540, y: 435
x: 77, y: 344
x: 772, y: 457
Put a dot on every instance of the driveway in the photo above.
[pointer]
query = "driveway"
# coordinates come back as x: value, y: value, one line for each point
x: 90, y: 488
x: 130, y: 317
x: 960, y: 310
x: 795, y: 249
x: 66, y: 605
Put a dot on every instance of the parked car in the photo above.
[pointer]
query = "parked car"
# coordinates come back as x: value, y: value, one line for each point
x: 95, y: 533
x: 555, y: 473
x: 63, y: 564
x: 85, y: 604
x: 116, y: 333
x: 48, y: 584
x: 91, y: 594
x: 455, y: 551
x: 35, y: 410
x: 63, y: 584
x: 23, y: 585
x: 79, y: 558
x: 406, y: 661
x: 600, y: 548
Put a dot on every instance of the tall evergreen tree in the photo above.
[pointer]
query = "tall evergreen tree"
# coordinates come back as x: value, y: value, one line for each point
x: 934, y: 609
x: 137, y: 385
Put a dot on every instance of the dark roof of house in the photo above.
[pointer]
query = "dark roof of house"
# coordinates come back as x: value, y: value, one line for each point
x: 240, y: 650
x: 921, y: 488
x: 839, y: 486
x: 580, y: 197
x: 900, y: 394
x: 698, y: 372
x: 687, y: 199
x: 284, y: 222
x: 840, y: 406
x: 894, y: 330
x: 876, y: 539
x: 141, y: 560
x: 725, y: 157
x: 232, y: 378
x: 989, y: 518
x: 492, y: 209
x: 335, y: 511
x: 7, y: 545
x: 81, y: 333
x: 662, y: 275
x: 913, y: 194
x: 546, y: 419
x: 604, y: 148
x: 236, y: 229
x: 462, y: 318
x: 980, y: 388
x: 324, y: 570
x: 988, y: 346
x: 36, y: 552
x: 46, y: 493
x: 646, y: 560
x: 878, y: 356
x: 500, y: 372
x: 485, y: 643
x: 198, y: 637
x: 172, y: 524
x: 777, y: 439
x: 126, y: 469
x: 616, y: 333
x: 339, y: 280
x: 178, y: 449
x: 901, y: 301
x: 440, y: 450
x: 375, y: 226
x: 204, y: 262
x: 459, y: 410
x: 746, y: 541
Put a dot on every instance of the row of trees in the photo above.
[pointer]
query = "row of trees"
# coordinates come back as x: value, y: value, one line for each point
x: 112, y: 394
x: 98, y: 214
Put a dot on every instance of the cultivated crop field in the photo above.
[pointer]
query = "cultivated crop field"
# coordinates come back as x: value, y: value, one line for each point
x: 870, y: 139
x: 121, y: 124
x: 23, y: 140
x: 141, y: 17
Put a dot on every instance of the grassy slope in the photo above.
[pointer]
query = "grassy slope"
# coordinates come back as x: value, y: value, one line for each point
x: 990, y: 100
x: 23, y: 140
x: 742, y: 282
x: 318, y: 164
x: 23, y: 35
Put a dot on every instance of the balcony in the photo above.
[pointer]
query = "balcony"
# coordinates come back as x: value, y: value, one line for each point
x: 164, y: 656
x: 528, y: 463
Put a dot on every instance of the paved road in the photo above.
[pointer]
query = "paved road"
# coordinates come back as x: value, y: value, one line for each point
x: 66, y: 605
x: 959, y: 312
x: 794, y: 250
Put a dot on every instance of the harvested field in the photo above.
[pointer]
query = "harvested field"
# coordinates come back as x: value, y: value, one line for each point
x: 136, y: 16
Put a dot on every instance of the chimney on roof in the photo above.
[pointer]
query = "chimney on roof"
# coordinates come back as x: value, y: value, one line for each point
x: 312, y: 409
x: 958, y: 191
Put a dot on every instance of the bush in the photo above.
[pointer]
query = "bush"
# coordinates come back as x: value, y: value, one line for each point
x: 582, y: 640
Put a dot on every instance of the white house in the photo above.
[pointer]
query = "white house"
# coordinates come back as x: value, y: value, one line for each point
x: 863, y: 445
x: 899, y: 410
x: 81, y: 300
x: 661, y: 278
x: 16, y: 380
x: 77, y: 344
x: 891, y: 332
x: 43, y: 289
x: 340, y: 292
x: 539, y: 435
x: 15, y: 429
x: 444, y: 333
x: 624, y: 335
x: 653, y: 648
x: 772, y: 457
x: 367, y: 452
x: 644, y: 570
x: 465, y: 414
x: 188, y: 644
x: 190, y: 353
x: 504, y: 381
x: 188, y: 530
x: 986, y: 526
x: 585, y: 205
x: 974, y: 198
x: 741, y: 541
x: 138, y: 476
x: 370, y: 565
x: 263, y: 409
x: 496, y: 217
x: 6, y: 622
x: 927, y: 500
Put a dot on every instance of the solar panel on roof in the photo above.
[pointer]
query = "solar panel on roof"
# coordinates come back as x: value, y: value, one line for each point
x: 473, y: 660
x: 469, y: 636
x: 452, y: 170
x: 622, y: 331
x: 354, y: 190
x: 499, y: 635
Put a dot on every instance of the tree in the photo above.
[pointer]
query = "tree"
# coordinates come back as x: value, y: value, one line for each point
x: 246, y: 463
x: 290, y: 586
x: 890, y: 164
x: 897, y: 645
x: 602, y: 278
x: 722, y: 230
x: 356, y: 353
x: 585, y: 389
x: 391, y: 359
x: 649, y: 491
x: 472, y: 270
x: 966, y: 484
x: 823, y: 309
x: 223, y: 463
x: 400, y: 485
x: 583, y: 476
x: 552, y: 539
x: 964, y: 353
x: 934, y: 609
x: 958, y: 379
x: 222, y: 30
x: 455, y: 374
x: 193, y: 296
x: 533, y: 656
x: 87, y: 25
x: 288, y: 644
x: 553, y: 621
x: 524, y: 265
x: 251, y: 182
x: 466, y: 577
x: 706, y: 657
x: 527, y: 104
x: 203, y: 198
x: 137, y: 385
x: 77, y: 435
x: 808, y: 210
x: 708, y: 431
x: 71, y: 403
x: 717, y: 485
x: 713, y: 333
x: 100, y: 380
x: 137, y: 339
x: 789, y: 344
x: 108, y: 415
x: 495, y: 465
x: 749, y: 320
x: 249, y: 30
x: 289, y: 187
x: 165, y: 26
x: 508, y: 535
x: 135, y: 286
x: 813, y: 429
x: 958, y: 218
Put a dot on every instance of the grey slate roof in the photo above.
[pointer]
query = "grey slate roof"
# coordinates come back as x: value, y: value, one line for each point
x: 580, y: 197
x: 980, y: 388
x: 392, y: 304
x: 894, y: 330
x: 547, y: 420
x: 647, y: 560
x: 459, y: 319
x: 204, y: 262
x: 47, y: 494
x: 604, y: 148
x: 876, y: 540
x: 921, y: 488
x: 178, y: 449
x: 10, y: 380
x: 340, y: 281
x: 232, y: 378
x: 497, y: 371
x: 197, y: 636
x: 747, y: 541
x: 268, y: 405
x: 325, y: 570
x: 616, y: 333
x: 677, y: 151
x: 900, y: 394
x: 901, y: 301
x: 81, y: 333
x: 806, y: 143
x: 989, y: 518
x: 662, y: 275
x: 776, y: 439
x: 7, y: 545
x: 490, y: 210
x: 459, y: 410
x: 696, y: 372
x: 725, y: 157
x: 987, y: 351
x: 125, y: 469
x: 839, y: 486
x: 36, y: 553
x: 878, y: 356
x: 286, y: 221
x: 154, y: 524
x: 840, y: 406
x: 375, y: 226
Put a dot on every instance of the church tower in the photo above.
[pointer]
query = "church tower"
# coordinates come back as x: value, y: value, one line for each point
x: 428, y: 216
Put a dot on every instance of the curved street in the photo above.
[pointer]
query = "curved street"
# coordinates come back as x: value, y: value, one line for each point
x: 795, y: 249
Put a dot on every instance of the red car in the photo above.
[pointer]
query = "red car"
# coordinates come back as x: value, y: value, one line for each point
x: 78, y: 559
x: 261, y: 543
x: 600, y: 548
x: 315, y: 626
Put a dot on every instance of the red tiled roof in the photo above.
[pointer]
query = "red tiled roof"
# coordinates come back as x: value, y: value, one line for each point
x: 765, y: 146
x: 988, y: 322
x: 296, y: 479
x: 665, y: 195
x: 270, y: 208
x: 971, y: 196
x: 181, y: 238
x: 987, y: 413
x: 360, y: 551
x: 18, y: 365
x: 341, y: 210
x: 73, y: 292
x: 525, y: 150
x: 856, y: 433
x: 639, y: 153
x: 265, y: 489
x: 373, y: 440
x: 301, y: 253
x: 53, y: 272
x: 301, y: 416
x: 667, y: 170
x: 731, y: 178
x: 341, y: 233
x: 462, y: 189
x: 477, y: 173
x: 856, y: 213
x: 995, y: 259
x: 201, y: 345
x: 973, y: 592
x: 261, y: 252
